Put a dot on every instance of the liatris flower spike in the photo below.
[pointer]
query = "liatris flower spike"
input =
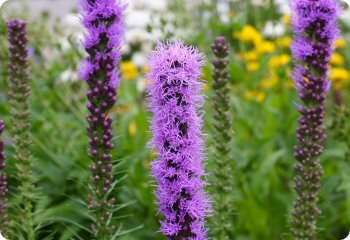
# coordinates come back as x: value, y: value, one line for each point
x: 21, y: 120
x: 3, y: 186
x: 315, y: 30
x: 105, y: 26
x: 222, y: 184
x: 175, y: 96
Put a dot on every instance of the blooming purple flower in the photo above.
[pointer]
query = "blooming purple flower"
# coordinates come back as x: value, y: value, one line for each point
x: 315, y: 30
x: 105, y: 26
x: 175, y: 96
x: 3, y: 185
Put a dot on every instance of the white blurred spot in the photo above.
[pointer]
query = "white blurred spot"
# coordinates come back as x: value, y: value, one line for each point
x: 1, y: 3
x: 347, y: 238
x: 1, y: 237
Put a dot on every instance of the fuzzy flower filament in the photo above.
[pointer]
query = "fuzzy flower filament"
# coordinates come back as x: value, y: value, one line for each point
x: 3, y: 186
x: 175, y: 96
x: 21, y: 120
x: 105, y: 26
x: 315, y: 31
x: 222, y: 185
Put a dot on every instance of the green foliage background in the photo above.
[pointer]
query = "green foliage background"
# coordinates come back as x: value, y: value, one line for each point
x: 262, y: 148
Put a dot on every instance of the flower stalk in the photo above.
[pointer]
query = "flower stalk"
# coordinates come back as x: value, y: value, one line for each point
x: 315, y: 31
x: 222, y: 184
x: 21, y: 120
x: 105, y: 26
x: 175, y: 97
x: 3, y: 186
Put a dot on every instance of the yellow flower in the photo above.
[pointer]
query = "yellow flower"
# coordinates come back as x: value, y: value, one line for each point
x: 339, y: 85
x: 148, y: 82
x: 340, y: 43
x: 205, y: 86
x: 290, y: 84
x: 252, y: 56
x: 121, y: 108
x: 132, y: 129
x: 239, y: 56
x: 286, y: 19
x: 146, y: 69
x: 337, y: 59
x: 253, y: 66
x: 279, y: 61
x: 129, y: 70
x: 257, y: 96
x: 284, y: 42
x: 260, y: 97
x: 266, y: 47
x: 249, y: 34
x: 269, y: 82
x: 250, y: 95
x: 339, y: 74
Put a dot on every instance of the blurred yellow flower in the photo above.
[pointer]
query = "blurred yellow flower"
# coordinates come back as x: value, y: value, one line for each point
x: 339, y: 85
x: 122, y: 108
x: 146, y: 69
x: 339, y: 74
x: 253, y: 66
x: 205, y: 86
x: 239, y: 56
x: 260, y: 97
x: 286, y: 19
x: 269, y: 82
x: 337, y: 59
x: 284, y: 42
x: 266, y: 47
x: 279, y: 61
x: 252, y: 56
x: 290, y: 84
x: 249, y: 34
x: 340, y: 43
x: 132, y: 129
x: 129, y: 70
x: 249, y: 95
x: 257, y: 96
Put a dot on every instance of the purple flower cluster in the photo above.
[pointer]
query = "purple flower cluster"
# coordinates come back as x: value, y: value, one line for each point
x: 3, y: 185
x: 105, y: 26
x: 175, y: 96
x: 315, y: 30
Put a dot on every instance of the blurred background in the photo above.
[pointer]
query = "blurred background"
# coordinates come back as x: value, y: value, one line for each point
x: 264, y: 110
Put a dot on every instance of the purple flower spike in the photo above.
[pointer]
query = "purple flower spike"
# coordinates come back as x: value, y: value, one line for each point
x: 175, y: 96
x: 315, y: 30
x: 21, y: 123
x: 105, y: 26
x: 3, y: 186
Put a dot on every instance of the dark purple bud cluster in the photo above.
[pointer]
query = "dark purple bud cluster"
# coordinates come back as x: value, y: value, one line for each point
x: 104, y: 21
x: 223, y: 182
x: 315, y: 30
x: 3, y: 186
x: 21, y: 120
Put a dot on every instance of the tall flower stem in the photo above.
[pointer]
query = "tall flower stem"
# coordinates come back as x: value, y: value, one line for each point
x: 315, y: 30
x: 105, y: 26
x: 21, y: 120
x: 3, y: 186
x: 222, y: 185
x: 175, y: 97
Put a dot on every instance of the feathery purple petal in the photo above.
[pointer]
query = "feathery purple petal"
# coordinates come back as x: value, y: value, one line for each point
x: 175, y: 96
